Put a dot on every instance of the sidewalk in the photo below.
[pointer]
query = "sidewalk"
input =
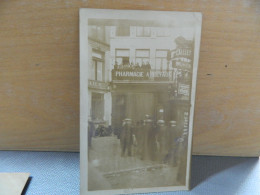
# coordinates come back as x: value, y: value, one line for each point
x: 127, y: 172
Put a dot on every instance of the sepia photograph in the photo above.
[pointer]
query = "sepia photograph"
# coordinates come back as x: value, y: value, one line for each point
x: 138, y: 74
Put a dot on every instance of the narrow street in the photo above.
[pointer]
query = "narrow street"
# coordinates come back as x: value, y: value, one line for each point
x: 108, y: 170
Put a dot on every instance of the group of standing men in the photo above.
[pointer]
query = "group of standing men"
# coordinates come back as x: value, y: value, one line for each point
x: 133, y: 66
x: 149, y: 141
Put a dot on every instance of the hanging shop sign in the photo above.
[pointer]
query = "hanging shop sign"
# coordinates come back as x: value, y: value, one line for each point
x: 98, y: 85
x: 183, y: 65
x: 184, y: 89
x: 181, y: 52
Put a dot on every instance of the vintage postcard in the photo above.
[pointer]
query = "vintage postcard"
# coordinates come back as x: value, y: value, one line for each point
x: 138, y: 72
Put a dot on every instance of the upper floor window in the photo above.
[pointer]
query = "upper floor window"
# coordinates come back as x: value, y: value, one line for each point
x: 161, y: 59
x: 123, y: 30
x: 142, y: 56
x: 143, y: 31
x: 97, y: 69
x: 96, y: 32
x: 122, y: 56
x: 163, y: 32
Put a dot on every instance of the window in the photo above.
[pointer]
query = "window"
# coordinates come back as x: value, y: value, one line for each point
x: 96, y: 33
x: 143, y: 31
x: 97, y: 69
x: 163, y: 32
x: 122, y: 56
x: 142, y: 56
x: 123, y: 30
x: 161, y: 59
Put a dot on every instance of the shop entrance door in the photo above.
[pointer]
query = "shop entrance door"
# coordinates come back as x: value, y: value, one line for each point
x: 132, y: 105
x: 118, y: 110
x: 140, y: 104
x: 97, y: 106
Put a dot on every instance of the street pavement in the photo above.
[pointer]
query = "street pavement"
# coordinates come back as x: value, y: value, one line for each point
x: 109, y: 170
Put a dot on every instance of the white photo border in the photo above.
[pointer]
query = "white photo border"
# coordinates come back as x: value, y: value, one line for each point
x: 85, y: 13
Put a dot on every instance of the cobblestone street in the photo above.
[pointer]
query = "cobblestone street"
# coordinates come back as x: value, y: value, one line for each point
x: 108, y: 170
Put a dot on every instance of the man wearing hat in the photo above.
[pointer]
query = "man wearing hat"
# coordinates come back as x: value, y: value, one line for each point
x: 126, y: 137
x: 162, y: 136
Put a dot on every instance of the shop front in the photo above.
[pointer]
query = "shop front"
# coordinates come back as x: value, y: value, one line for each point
x: 99, y: 103
x: 138, y: 97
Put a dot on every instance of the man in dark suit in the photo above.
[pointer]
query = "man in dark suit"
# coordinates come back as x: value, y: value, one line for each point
x: 127, y: 137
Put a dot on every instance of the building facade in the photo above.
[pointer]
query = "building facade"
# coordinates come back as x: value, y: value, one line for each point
x: 99, y: 95
x: 135, y: 71
x: 142, y: 73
